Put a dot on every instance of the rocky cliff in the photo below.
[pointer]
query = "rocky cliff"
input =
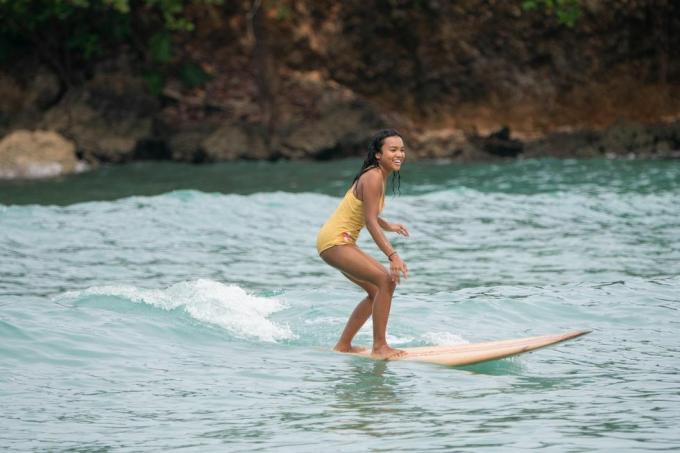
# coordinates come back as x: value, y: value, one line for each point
x: 464, y: 80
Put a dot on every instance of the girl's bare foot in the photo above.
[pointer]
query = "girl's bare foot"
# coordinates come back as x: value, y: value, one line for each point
x: 348, y: 348
x: 387, y: 353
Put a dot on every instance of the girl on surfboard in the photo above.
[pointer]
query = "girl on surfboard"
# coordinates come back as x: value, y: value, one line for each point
x: 336, y: 243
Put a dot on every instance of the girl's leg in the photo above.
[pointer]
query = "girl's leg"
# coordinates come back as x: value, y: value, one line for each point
x: 358, y: 318
x: 350, y: 260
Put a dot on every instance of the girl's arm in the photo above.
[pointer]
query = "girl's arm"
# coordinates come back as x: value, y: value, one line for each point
x: 372, y: 186
x: 393, y: 227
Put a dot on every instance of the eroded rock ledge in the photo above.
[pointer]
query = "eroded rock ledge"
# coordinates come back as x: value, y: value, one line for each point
x: 112, y: 118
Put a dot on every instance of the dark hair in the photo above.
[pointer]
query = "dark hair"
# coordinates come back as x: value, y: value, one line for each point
x: 372, y: 162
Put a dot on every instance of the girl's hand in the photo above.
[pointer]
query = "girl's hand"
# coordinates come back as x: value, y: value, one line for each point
x: 398, y: 228
x: 397, y: 265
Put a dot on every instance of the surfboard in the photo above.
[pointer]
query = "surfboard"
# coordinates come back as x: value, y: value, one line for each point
x: 469, y: 354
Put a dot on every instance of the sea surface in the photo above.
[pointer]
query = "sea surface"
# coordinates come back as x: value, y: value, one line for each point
x: 169, y: 307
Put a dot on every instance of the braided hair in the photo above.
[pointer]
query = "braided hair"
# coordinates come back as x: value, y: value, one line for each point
x: 372, y: 162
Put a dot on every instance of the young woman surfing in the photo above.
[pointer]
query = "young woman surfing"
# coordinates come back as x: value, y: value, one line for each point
x: 336, y: 243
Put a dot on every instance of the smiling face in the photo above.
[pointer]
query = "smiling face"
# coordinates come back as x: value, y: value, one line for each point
x: 392, y: 154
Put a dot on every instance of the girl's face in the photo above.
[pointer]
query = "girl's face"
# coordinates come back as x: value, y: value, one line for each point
x: 392, y: 154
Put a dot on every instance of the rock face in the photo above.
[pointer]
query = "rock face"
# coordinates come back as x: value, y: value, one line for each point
x: 324, y: 120
x: 315, y: 119
x: 39, y: 154
x: 24, y: 99
x: 465, y: 80
x: 340, y: 129
x: 107, y: 118
x: 627, y: 139
x: 233, y: 141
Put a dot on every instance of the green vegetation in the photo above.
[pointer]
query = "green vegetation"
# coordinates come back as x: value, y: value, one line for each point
x: 567, y: 11
x: 70, y: 35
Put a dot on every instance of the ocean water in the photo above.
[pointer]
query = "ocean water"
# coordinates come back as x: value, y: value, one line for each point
x: 168, y: 307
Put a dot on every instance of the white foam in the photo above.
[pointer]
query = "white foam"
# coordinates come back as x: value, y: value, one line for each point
x: 444, y: 338
x: 331, y: 320
x: 394, y: 340
x: 227, y: 306
x: 367, y: 331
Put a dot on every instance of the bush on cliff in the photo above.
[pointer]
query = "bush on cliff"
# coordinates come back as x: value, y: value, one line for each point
x: 69, y: 36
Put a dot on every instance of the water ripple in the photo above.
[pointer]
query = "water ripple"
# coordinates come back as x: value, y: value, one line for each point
x: 200, y: 320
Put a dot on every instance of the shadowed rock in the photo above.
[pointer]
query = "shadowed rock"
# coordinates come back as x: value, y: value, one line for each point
x: 500, y: 144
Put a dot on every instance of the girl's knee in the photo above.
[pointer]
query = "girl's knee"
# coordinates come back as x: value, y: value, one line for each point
x: 386, y: 283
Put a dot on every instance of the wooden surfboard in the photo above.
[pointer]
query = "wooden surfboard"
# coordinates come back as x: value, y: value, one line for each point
x: 468, y: 354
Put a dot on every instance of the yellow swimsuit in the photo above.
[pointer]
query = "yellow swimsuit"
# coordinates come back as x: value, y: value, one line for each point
x: 344, y: 225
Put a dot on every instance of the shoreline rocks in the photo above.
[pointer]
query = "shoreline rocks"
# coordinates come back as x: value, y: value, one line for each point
x: 44, y: 153
x: 620, y: 140
x: 39, y: 154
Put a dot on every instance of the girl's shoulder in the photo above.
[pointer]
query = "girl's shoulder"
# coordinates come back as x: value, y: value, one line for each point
x: 371, y: 174
x: 371, y: 179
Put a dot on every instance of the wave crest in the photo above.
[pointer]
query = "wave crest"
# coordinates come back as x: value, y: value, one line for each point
x: 228, y: 306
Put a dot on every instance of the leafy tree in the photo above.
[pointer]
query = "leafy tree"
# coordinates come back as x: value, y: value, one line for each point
x: 70, y: 35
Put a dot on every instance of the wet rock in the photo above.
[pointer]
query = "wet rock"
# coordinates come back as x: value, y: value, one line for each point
x: 39, y: 154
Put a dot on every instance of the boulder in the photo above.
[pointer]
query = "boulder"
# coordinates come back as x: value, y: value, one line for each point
x: 39, y: 154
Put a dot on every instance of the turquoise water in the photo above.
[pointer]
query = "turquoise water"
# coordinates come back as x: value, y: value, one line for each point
x: 163, y: 307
